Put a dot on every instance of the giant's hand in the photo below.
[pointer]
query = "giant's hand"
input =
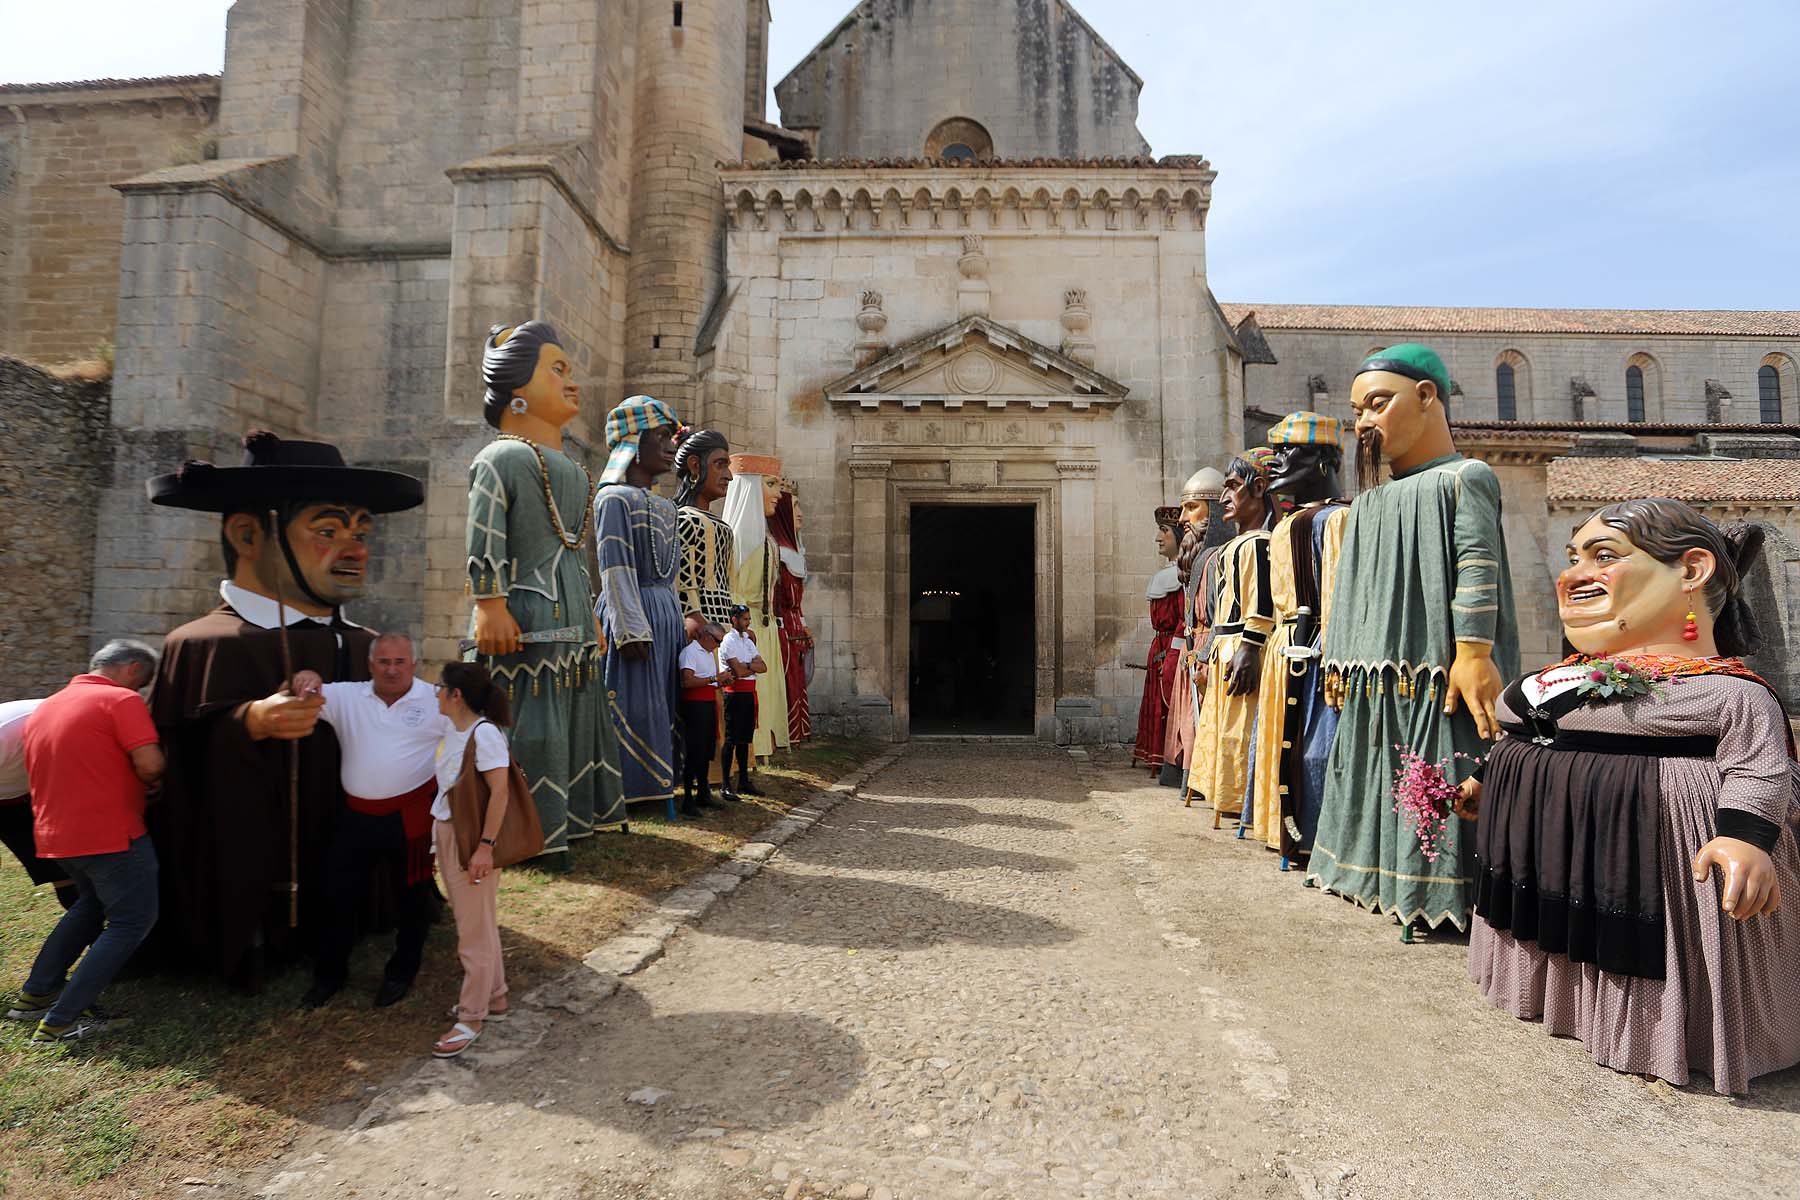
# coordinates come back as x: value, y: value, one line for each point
x: 1244, y: 672
x: 283, y: 716
x: 1475, y: 681
x: 1750, y: 884
x: 307, y: 683
x: 1334, y: 690
x: 1468, y: 800
x: 636, y: 651
x: 496, y: 630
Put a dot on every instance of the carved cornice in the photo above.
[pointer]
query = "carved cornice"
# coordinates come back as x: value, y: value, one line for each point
x: 870, y: 468
x: 1080, y: 388
x: 1086, y: 468
x: 1095, y: 198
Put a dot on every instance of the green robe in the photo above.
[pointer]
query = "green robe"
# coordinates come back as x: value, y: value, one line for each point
x: 1423, y: 567
x: 561, y: 735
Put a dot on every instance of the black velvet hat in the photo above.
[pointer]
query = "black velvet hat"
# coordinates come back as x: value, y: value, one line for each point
x: 277, y: 471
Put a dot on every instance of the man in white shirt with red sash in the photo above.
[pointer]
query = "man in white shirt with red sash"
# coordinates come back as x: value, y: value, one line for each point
x: 740, y: 662
x: 388, y: 728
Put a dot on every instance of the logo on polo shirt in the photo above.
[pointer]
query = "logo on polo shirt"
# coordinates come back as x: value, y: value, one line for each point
x: 414, y: 716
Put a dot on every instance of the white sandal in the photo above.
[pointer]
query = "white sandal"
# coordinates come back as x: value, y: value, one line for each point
x: 462, y: 1037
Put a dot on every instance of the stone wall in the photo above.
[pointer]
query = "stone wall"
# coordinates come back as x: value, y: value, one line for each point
x: 61, y: 150
x: 1032, y: 73
x: 54, y: 452
x: 1676, y: 371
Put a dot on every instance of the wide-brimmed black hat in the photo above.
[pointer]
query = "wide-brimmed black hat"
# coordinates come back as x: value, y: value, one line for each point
x: 277, y: 471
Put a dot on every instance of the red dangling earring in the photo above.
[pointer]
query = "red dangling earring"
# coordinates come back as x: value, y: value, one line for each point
x: 1691, y: 631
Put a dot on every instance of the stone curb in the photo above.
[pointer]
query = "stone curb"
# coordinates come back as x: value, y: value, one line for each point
x: 435, y: 1085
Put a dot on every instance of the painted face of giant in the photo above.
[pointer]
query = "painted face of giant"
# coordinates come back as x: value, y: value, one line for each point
x: 1292, y: 467
x: 1393, y: 408
x: 551, y: 395
x: 1196, y: 513
x: 656, y: 450
x: 718, y: 477
x: 330, y: 540
x: 1243, y: 499
x: 771, y: 485
x: 1167, y: 543
x: 1614, y: 596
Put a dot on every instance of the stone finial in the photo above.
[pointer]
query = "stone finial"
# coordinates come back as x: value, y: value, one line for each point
x: 871, y: 320
x: 972, y: 292
x: 1076, y: 320
x: 1718, y: 403
x: 1579, y: 394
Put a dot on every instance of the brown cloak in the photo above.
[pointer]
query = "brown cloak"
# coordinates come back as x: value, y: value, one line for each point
x: 221, y: 827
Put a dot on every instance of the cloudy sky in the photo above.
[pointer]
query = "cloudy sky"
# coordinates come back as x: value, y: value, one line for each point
x: 1616, y: 153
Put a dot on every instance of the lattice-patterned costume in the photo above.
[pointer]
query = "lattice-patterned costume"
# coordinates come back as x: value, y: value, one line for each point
x: 705, y: 581
x: 562, y: 735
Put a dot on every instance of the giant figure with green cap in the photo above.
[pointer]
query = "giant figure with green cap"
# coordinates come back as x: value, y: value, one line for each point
x: 240, y: 840
x: 534, y: 624
x: 1422, y: 636
x: 638, y: 544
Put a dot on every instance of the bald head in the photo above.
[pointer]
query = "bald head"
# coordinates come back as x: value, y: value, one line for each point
x: 392, y: 661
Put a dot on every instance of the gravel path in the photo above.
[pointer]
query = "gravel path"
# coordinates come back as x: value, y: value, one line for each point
x: 1004, y: 972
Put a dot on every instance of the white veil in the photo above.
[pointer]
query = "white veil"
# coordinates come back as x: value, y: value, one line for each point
x: 744, y: 513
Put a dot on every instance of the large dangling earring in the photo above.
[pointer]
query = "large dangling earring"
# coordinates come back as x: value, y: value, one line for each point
x: 518, y: 405
x: 1691, y: 631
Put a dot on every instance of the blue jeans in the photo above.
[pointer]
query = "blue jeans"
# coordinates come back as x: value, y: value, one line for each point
x: 115, y: 908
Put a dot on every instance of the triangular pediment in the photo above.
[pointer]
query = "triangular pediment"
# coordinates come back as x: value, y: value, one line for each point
x: 977, y: 362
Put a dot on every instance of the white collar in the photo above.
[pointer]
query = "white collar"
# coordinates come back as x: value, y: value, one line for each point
x: 1163, y: 582
x: 262, y: 611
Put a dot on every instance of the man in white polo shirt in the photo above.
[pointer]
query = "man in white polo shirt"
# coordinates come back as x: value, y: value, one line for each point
x: 15, y: 803
x: 389, y: 729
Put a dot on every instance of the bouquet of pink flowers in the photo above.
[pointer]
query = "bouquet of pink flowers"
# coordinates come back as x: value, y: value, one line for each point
x: 1425, y: 794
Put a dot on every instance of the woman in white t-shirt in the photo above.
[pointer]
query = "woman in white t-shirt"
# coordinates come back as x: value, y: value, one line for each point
x: 474, y: 707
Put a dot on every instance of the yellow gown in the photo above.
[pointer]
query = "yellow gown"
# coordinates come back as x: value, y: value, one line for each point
x: 1273, y: 695
x: 753, y: 583
x: 1242, y: 612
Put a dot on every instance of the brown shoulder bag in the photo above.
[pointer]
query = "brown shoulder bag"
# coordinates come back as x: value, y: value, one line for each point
x: 521, y: 833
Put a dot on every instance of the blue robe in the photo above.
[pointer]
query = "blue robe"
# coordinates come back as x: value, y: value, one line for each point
x: 639, y: 551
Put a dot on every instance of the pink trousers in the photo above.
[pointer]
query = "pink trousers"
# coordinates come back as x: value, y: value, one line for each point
x: 477, y: 928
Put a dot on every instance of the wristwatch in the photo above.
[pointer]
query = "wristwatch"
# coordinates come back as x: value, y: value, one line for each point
x: 487, y: 841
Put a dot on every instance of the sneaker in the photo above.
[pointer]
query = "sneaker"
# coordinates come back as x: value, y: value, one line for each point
x: 46, y: 1035
x: 23, y: 1006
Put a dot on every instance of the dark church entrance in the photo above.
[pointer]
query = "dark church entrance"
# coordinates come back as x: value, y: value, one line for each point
x: 973, y: 655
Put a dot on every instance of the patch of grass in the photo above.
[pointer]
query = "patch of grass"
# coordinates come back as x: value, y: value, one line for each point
x: 205, y: 1081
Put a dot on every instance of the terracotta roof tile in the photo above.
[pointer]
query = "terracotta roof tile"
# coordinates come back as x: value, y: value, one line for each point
x: 96, y: 85
x: 1716, y: 480
x: 1374, y: 318
x: 1169, y: 162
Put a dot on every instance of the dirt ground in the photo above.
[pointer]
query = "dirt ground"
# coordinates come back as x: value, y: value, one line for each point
x: 1005, y: 972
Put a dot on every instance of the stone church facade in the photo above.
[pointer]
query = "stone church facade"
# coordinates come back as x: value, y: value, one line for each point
x: 950, y: 277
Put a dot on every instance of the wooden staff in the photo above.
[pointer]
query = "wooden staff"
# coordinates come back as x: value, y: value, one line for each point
x: 287, y: 668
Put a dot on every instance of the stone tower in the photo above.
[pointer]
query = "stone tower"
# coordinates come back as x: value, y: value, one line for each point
x: 690, y: 75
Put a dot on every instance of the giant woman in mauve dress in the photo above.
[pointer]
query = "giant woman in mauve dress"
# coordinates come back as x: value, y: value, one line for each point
x: 527, y: 540
x: 1166, y: 598
x: 1603, y: 817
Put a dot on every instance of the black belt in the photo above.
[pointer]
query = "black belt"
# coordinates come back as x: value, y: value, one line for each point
x: 1229, y: 627
x: 1644, y: 745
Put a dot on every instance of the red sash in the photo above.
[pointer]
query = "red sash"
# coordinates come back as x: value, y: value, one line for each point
x: 414, y: 808
x: 698, y: 693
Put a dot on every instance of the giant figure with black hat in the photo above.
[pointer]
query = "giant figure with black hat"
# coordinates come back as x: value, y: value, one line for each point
x: 234, y: 843
x: 1421, y: 638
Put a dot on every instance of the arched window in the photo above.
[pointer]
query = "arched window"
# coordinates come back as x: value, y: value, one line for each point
x: 1504, y: 388
x: 1768, y: 391
x: 1634, y: 393
x: 1512, y: 386
x: 959, y: 139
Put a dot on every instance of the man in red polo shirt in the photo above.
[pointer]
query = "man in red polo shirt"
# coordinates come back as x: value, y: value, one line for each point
x: 91, y: 751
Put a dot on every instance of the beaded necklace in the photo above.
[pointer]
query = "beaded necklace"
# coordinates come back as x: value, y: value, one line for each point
x: 663, y: 570
x: 1669, y: 666
x: 587, y: 515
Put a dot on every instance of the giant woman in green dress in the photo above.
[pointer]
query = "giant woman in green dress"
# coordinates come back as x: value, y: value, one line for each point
x: 534, y: 622
x: 1422, y: 634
